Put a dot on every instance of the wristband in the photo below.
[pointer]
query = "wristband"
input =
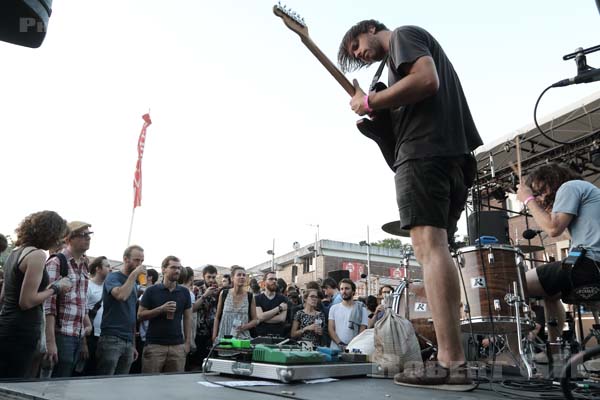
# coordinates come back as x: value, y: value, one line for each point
x: 367, y: 107
x: 55, y: 286
x: 527, y: 200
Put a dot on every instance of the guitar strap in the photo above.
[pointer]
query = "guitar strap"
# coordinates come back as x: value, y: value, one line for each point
x: 378, y: 73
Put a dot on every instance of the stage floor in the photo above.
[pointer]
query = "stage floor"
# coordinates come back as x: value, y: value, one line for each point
x: 188, y: 386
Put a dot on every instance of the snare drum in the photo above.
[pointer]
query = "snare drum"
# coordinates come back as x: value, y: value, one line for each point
x: 491, y: 270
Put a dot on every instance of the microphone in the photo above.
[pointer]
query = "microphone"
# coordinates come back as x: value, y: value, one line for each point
x: 592, y: 75
x: 530, y: 233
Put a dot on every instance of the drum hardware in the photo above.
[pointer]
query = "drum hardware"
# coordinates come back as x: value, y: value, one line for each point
x: 517, y: 303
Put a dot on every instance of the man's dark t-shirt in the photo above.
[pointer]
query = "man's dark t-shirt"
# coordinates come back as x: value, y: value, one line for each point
x: 118, y: 317
x: 163, y: 331
x: 266, y: 329
x: 440, y: 125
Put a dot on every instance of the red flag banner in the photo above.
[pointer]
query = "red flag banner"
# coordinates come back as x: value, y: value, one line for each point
x: 137, y: 179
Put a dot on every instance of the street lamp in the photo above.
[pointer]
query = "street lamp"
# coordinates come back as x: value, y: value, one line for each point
x: 368, y: 244
x: 272, y: 254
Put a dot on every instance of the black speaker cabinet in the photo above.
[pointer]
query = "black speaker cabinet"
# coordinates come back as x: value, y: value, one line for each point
x: 491, y: 223
x: 339, y: 274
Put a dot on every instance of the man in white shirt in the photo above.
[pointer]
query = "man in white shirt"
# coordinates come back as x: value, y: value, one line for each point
x: 346, y: 319
x: 99, y: 270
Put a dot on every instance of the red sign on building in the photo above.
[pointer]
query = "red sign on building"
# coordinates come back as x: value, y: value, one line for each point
x: 355, y: 269
x: 397, y: 273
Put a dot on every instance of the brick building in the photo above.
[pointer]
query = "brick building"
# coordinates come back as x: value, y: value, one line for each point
x: 315, y: 261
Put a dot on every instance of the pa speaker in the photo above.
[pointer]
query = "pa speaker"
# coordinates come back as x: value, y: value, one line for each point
x: 489, y: 223
x: 339, y: 274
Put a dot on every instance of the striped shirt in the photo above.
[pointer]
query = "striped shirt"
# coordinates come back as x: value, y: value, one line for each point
x: 69, y: 318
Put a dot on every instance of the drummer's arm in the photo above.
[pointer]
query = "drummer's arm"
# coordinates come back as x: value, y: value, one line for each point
x: 554, y: 224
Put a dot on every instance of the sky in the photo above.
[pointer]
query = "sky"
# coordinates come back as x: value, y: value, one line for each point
x: 252, y: 140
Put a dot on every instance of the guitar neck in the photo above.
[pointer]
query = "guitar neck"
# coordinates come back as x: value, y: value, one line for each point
x: 329, y: 66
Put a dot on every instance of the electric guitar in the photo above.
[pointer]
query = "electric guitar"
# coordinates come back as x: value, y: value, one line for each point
x: 379, y: 126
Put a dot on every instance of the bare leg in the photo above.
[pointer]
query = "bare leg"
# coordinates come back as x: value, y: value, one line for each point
x: 442, y: 288
x: 553, y: 308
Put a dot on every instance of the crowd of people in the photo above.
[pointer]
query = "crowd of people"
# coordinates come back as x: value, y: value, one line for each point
x: 64, y: 316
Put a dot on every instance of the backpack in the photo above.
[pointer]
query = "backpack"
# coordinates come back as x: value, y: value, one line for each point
x: 63, y: 271
x: 250, y: 296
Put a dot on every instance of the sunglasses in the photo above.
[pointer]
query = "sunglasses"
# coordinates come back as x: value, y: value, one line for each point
x: 82, y: 235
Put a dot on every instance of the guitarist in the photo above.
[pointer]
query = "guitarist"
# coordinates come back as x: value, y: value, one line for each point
x: 434, y: 135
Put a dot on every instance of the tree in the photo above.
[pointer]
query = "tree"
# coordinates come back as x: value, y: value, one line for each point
x: 389, y: 243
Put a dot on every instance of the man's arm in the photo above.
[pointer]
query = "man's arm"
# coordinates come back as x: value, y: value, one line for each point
x: 332, y: 334
x: 187, y: 328
x: 51, y: 350
x: 421, y: 81
x: 274, y: 316
x: 144, y: 313
x: 554, y: 224
x: 123, y: 292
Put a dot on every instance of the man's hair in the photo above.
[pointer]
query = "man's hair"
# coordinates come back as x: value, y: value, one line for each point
x: 128, y: 250
x: 209, y: 269
x: 371, y: 303
x: 267, y: 274
x: 41, y: 229
x: 346, y: 60
x: 3, y: 243
x: 96, y: 264
x: 167, y: 260
x: 152, y: 273
x: 550, y: 177
x: 330, y: 282
x: 349, y: 282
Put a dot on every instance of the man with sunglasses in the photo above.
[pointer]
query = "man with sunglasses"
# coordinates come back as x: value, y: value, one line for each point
x: 67, y: 322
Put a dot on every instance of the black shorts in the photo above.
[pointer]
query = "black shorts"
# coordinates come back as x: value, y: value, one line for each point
x: 556, y: 279
x: 433, y: 191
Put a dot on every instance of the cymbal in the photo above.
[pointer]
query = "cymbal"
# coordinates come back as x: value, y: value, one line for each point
x: 530, y: 248
x: 393, y: 228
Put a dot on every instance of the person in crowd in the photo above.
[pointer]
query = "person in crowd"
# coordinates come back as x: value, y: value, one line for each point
x: 281, y: 286
x: 308, y: 323
x: 226, y: 281
x: 99, y: 270
x: 560, y: 201
x: 330, y: 288
x: 67, y: 321
x: 188, y: 283
x: 271, y: 308
x: 167, y: 306
x: 236, y: 309
x: 205, y: 308
x: 116, y: 349
x: 142, y: 326
x: 346, y: 319
x: 3, y: 243
x: 385, y: 290
x: 254, y: 286
x: 26, y: 286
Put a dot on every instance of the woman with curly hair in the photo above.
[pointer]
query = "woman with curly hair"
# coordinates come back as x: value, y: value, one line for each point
x: 24, y: 290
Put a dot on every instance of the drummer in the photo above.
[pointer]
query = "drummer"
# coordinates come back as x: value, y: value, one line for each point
x: 560, y: 200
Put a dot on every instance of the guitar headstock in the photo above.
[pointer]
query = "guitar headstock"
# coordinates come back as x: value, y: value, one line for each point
x: 292, y: 20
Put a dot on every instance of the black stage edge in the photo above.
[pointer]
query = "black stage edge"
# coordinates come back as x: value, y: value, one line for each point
x: 186, y: 386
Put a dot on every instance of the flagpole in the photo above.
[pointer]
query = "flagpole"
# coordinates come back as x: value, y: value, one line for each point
x: 130, y: 227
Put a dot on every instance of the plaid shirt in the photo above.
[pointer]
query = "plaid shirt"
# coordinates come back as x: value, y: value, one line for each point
x: 206, y: 314
x: 72, y: 303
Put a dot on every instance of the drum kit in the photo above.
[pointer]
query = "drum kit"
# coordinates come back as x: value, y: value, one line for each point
x: 493, y: 288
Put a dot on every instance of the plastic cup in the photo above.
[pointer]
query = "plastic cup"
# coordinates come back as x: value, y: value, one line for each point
x: 142, y: 279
